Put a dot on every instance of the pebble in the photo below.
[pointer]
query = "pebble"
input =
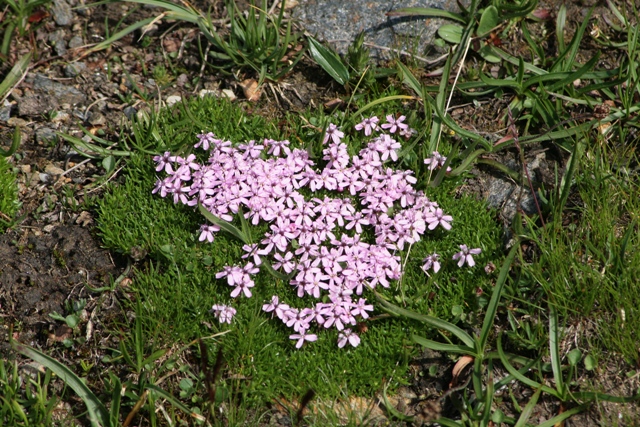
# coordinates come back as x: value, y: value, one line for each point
x: 15, y: 122
x: 52, y: 169
x: 173, y: 99
x: 74, y: 69
x: 46, y: 135
x: 35, y: 105
x: 5, y: 111
x: 60, y: 117
x: 61, y: 12
x: 129, y: 112
x: 97, y: 119
x: 56, y: 39
x: 76, y: 41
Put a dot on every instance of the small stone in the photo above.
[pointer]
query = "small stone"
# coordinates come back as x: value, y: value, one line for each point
x: 208, y: 92
x: 229, y: 94
x: 129, y: 112
x: 173, y: 99
x: 25, y: 168
x: 182, y: 80
x: 61, y: 12
x: 56, y: 39
x: 5, y: 111
x: 15, y: 122
x: 46, y: 135
x: 45, y: 178
x: 60, y: 117
x: 251, y: 90
x: 97, y: 119
x: 74, y: 69
x: 76, y: 41
x: 48, y: 228
x: 52, y: 169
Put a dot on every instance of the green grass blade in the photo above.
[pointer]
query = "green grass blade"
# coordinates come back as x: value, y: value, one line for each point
x: 517, y: 374
x: 224, y: 225
x: 120, y: 34
x: 329, y: 61
x: 492, y: 308
x: 427, y: 11
x: 558, y: 419
x: 163, y: 394
x: 554, y: 350
x: 560, y: 21
x: 16, y: 74
x: 591, y: 396
x: 516, y: 61
x: 98, y: 414
x: 380, y: 101
x: 567, y: 178
x: 409, y: 79
x: 17, y: 139
x: 448, y: 348
x: 528, y: 410
x: 433, y: 321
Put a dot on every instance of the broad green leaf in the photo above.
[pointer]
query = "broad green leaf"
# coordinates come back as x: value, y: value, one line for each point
x: 329, y: 61
x: 528, y: 410
x: 488, y: 55
x: 451, y: 33
x: 488, y: 21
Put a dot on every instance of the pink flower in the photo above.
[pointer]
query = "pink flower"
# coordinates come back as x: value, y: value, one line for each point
x: 303, y: 336
x: 465, y: 256
x: 334, y: 133
x: 431, y: 262
x: 348, y: 336
x: 368, y: 124
x: 438, y: 217
x: 394, y: 124
x: 223, y: 313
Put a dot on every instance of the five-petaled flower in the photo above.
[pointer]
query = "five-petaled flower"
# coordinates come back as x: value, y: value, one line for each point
x: 464, y: 256
x: 431, y: 262
x: 334, y: 133
x: 303, y: 336
x: 369, y: 124
x: 224, y: 313
x: 348, y: 335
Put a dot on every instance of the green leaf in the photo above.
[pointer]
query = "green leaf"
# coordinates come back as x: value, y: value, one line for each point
x: 528, y: 410
x: 488, y: 21
x: 72, y: 320
x: 427, y: 11
x: 448, y: 348
x: 488, y: 55
x: 574, y: 356
x: 16, y: 74
x: 224, y: 225
x: 109, y: 164
x: 492, y: 308
x: 451, y: 33
x: 433, y: 321
x: 590, y: 362
x: 329, y: 61
x: 98, y: 414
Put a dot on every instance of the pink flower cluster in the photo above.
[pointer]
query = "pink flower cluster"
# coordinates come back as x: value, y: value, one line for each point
x: 317, y: 242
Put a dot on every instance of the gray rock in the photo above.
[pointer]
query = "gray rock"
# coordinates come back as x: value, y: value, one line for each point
x: 339, y: 22
x: 130, y: 112
x: 56, y: 39
x: 5, y: 111
x: 76, y: 41
x: 46, y: 135
x: 33, y: 105
x: 61, y: 93
x: 74, y: 69
x: 61, y: 12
